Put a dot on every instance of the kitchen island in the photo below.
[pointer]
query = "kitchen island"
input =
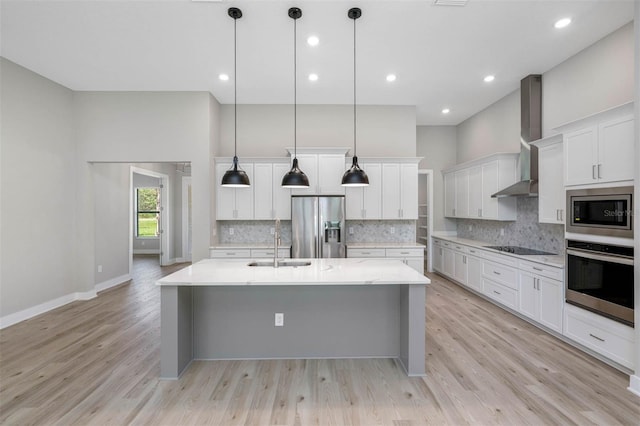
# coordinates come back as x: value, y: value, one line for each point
x: 332, y: 308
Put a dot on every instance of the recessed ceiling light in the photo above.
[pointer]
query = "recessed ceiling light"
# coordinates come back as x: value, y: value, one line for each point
x: 561, y: 23
x: 313, y: 77
x: 223, y: 77
x: 391, y: 77
x: 313, y: 41
x: 446, y: 111
x: 489, y: 78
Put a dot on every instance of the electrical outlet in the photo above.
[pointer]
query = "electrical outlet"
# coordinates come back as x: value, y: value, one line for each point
x: 99, y: 268
x: 502, y: 232
x: 470, y: 228
x: 279, y: 320
x: 392, y: 230
x: 142, y: 243
x: 272, y: 231
x: 351, y: 230
x: 231, y: 231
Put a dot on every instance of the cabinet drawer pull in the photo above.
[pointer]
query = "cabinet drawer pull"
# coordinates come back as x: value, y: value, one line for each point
x: 404, y: 252
x: 596, y: 337
x: 472, y: 251
x: 497, y: 273
x: 496, y: 292
x: 458, y: 247
x: 366, y: 252
x: 230, y: 254
x: 538, y: 269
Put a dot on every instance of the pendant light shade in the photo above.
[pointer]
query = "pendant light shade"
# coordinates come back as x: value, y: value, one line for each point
x: 235, y: 177
x: 355, y: 176
x: 295, y: 178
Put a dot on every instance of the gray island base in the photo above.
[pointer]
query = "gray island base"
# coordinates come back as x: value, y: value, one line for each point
x: 333, y: 308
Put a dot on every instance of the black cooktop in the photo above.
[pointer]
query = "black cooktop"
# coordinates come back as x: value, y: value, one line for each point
x: 519, y: 250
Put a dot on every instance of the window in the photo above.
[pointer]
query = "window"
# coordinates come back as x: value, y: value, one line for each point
x: 147, y: 212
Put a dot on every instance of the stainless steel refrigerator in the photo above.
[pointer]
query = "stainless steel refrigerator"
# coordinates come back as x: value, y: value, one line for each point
x: 317, y: 226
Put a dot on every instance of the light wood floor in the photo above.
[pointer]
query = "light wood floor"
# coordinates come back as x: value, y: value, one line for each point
x: 97, y: 362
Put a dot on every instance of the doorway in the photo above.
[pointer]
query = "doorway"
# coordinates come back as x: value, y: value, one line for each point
x: 424, y: 224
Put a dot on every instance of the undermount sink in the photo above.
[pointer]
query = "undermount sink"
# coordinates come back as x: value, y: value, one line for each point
x: 281, y: 263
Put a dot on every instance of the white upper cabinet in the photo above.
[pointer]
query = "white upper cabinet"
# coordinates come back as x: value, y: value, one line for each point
x: 551, y: 193
x: 400, y: 190
x: 271, y: 201
x: 234, y: 203
x: 468, y: 188
x: 324, y: 167
x: 475, y: 192
x: 365, y: 202
x: 462, y: 193
x: 450, y: 194
x: 597, y: 148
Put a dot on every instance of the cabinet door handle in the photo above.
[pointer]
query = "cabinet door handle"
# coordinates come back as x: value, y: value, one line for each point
x: 464, y: 260
x: 596, y: 337
x: 454, y: 212
x: 496, y: 292
x: 497, y: 273
x: 599, y: 166
x: 593, y: 171
x: 472, y: 251
x: 561, y: 215
x: 557, y: 214
x: 458, y: 247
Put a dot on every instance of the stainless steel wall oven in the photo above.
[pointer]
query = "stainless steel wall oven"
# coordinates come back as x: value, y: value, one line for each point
x: 599, y: 277
x: 601, y: 211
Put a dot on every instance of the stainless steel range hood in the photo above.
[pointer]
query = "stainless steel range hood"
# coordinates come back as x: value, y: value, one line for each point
x: 530, y: 130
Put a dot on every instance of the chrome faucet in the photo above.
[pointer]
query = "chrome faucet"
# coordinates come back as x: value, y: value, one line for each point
x: 276, y: 243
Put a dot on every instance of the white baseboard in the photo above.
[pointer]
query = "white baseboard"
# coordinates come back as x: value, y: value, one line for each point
x: 25, y: 314
x: 634, y: 384
x: 146, y: 251
x: 33, y: 311
x: 112, y: 282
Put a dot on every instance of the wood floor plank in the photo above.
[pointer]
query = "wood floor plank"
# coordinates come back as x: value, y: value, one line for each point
x: 96, y: 362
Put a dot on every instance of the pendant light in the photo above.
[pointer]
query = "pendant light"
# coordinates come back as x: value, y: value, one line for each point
x: 235, y: 177
x: 295, y: 178
x: 355, y: 176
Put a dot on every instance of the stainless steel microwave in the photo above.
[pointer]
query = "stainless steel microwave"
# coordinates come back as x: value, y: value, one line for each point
x: 601, y: 211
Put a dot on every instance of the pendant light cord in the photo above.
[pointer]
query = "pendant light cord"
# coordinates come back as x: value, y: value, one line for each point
x: 295, y: 91
x: 354, y: 89
x: 235, y: 92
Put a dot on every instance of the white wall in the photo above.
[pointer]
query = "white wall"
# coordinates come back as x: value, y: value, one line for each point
x: 494, y: 129
x: 266, y: 130
x: 37, y: 190
x: 437, y: 144
x: 145, y: 127
x: 111, y: 184
x: 597, y: 78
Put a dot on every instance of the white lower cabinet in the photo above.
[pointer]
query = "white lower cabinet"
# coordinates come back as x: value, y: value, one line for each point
x: 436, y: 257
x: 460, y: 271
x: 413, y: 257
x: 541, y: 294
x: 474, y: 273
x: 500, y: 293
x: 602, y: 335
x: 448, y: 262
x: 247, y: 253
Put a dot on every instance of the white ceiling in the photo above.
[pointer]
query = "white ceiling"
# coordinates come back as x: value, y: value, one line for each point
x: 440, y: 54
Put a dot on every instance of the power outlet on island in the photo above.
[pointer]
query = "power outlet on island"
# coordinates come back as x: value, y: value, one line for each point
x: 99, y: 268
x: 231, y: 231
x: 279, y: 319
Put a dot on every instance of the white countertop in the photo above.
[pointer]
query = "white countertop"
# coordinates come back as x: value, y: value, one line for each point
x: 551, y: 260
x: 235, y: 272
x: 385, y: 245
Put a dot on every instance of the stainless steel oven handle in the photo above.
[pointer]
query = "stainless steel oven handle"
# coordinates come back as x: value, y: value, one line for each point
x: 604, y: 258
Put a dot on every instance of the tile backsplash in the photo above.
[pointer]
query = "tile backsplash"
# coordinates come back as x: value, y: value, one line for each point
x: 364, y: 231
x: 525, y: 231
